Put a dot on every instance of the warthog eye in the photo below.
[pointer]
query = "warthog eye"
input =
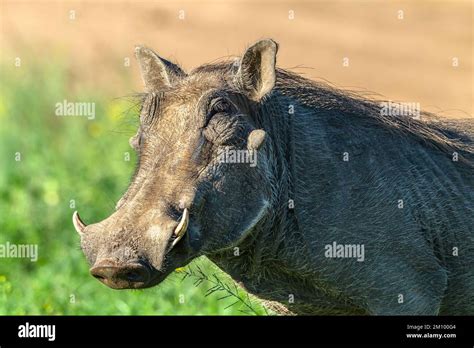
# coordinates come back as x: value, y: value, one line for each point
x: 219, y: 105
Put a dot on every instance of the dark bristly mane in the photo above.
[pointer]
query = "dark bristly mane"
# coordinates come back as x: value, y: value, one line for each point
x: 430, y: 129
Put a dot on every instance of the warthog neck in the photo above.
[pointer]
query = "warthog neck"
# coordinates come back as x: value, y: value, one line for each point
x: 268, y: 263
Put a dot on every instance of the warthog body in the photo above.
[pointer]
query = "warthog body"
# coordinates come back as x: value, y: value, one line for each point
x: 347, y: 210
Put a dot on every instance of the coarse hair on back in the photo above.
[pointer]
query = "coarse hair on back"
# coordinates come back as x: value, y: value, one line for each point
x: 429, y: 129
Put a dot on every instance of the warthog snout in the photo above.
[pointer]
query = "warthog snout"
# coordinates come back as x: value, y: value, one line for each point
x: 126, y: 258
x: 132, y: 275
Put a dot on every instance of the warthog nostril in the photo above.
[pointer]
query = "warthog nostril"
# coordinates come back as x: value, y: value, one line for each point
x: 104, y: 273
x: 100, y: 277
x: 129, y: 275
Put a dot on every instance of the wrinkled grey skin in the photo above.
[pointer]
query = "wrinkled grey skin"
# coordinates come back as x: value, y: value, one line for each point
x: 308, y: 127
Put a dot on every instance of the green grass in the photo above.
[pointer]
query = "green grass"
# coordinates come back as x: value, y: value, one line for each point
x: 70, y: 163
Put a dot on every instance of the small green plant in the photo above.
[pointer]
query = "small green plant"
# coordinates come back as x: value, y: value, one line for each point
x: 230, y: 290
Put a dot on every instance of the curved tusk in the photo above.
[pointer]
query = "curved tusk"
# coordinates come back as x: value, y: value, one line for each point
x: 180, y: 230
x: 79, y: 225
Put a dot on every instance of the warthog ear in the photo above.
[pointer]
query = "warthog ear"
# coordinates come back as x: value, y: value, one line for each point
x: 256, y: 74
x: 157, y: 72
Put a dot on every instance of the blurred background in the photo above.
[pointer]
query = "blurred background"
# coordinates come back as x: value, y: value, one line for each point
x: 82, y: 51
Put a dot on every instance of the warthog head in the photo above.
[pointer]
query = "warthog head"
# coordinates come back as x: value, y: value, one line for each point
x: 186, y: 199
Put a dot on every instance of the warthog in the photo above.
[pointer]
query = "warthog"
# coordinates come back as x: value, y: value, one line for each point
x: 346, y: 209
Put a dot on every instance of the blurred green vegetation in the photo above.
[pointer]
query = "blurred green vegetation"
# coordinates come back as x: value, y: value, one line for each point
x: 66, y: 161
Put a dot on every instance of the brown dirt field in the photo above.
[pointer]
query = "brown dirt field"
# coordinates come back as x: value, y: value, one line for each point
x: 407, y: 59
